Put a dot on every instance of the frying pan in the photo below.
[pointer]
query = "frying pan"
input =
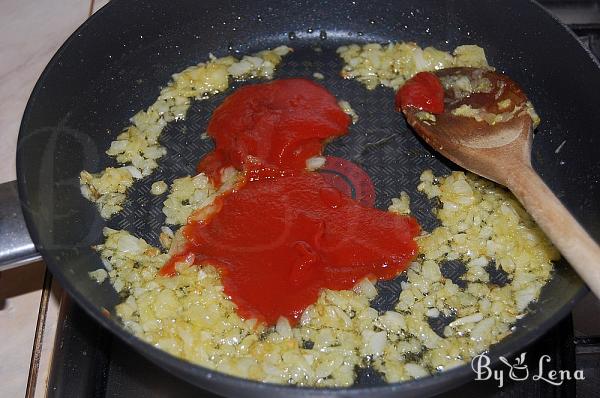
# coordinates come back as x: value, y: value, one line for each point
x: 113, y: 65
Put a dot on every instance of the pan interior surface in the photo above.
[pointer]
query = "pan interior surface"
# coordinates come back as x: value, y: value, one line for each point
x: 99, y: 79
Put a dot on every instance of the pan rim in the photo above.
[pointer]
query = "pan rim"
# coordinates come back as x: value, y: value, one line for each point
x: 211, y: 378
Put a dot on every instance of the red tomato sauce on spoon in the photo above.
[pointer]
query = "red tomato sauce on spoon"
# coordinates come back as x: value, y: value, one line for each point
x: 423, y: 91
x: 285, y: 233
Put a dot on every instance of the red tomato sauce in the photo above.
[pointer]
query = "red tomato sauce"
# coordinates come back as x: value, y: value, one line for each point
x: 280, y: 237
x: 281, y: 124
x: 423, y: 91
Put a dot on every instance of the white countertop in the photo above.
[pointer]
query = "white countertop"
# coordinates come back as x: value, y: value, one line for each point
x: 30, y: 32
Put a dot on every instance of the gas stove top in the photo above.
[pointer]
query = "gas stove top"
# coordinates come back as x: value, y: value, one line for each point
x: 89, y: 362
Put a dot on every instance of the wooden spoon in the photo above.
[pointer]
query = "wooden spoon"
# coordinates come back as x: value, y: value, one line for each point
x: 487, y: 129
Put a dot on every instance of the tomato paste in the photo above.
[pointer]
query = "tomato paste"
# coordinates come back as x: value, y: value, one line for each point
x: 280, y: 124
x: 285, y: 233
x: 423, y: 91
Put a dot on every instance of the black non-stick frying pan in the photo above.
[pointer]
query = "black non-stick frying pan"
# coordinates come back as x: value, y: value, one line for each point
x: 114, y: 64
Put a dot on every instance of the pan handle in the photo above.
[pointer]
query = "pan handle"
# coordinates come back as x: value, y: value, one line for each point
x: 16, y: 247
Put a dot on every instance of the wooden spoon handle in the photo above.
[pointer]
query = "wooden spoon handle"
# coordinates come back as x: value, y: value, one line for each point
x: 574, y: 243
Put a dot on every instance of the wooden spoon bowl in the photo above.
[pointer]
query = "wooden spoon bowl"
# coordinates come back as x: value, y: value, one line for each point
x: 487, y: 128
